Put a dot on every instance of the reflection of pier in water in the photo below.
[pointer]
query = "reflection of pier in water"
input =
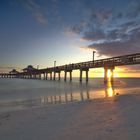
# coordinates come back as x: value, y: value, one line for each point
x: 82, y: 96
x: 70, y: 96
x: 65, y: 98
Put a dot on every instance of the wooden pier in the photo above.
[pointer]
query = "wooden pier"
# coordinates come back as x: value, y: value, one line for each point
x: 107, y: 64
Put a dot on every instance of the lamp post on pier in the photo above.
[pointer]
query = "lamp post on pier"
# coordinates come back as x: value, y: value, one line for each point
x: 54, y: 64
x: 93, y: 54
x: 54, y: 69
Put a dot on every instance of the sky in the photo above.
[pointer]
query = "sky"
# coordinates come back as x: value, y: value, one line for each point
x: 39, y: 32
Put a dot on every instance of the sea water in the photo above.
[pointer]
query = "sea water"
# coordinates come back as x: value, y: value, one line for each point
x: 18, y: 94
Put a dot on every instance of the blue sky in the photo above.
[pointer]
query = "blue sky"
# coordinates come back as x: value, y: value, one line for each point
x: 38, y: 32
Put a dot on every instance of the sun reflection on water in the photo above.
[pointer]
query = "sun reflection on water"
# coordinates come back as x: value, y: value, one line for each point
x: 109, y: 89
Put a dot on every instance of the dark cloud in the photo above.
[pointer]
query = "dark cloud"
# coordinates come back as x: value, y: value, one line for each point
x: 79, y: 28
x: 119, y: 46
x: 112, y: 32
x: 92, y: 26
x: 94, y: 35
x: 100, y: 16
x: 129, y: 23
x: 76, y: 29
x: 114, y: 48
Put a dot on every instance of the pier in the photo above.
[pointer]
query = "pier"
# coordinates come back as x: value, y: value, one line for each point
x: 107, y: 64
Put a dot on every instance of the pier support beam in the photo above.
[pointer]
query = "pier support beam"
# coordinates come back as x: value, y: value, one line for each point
x: 112, y: 75
x: 80, y: 75
x: 59, y: 76
x: 40, y: 76
x: 50, y: 75
x: 54, y: 75
x: 70, y: 74
x: 46, y: 76
x: 65, y: 77
x: 57, y: 72
x: 30, y: 76
x: 105, y: 75
x: 87, y: 75
x: 35, y: 76
x: 81, y: 72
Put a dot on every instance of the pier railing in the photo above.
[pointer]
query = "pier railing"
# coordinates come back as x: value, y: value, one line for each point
x: 114, y: 61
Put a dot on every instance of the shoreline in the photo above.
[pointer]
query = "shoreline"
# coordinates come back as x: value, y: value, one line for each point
x: 101, y: 119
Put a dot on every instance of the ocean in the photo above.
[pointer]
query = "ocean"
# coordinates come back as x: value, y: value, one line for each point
x: 17, y: 94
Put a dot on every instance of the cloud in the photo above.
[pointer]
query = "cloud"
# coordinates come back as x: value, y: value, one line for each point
x: 94, y: 35
x: 79, y: 27
x: 112, y: 32
x: 100, y: 16
x: 122, y: 42
x: 114, y: 48
x: 35, y: 9
x: 96, y: 21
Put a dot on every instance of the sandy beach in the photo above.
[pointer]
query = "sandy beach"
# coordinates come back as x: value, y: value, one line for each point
x: 115, y: 118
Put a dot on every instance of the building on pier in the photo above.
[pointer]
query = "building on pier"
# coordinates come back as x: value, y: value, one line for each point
x: 30, y: 72
x: 29, y: 68
x: 14, y: 71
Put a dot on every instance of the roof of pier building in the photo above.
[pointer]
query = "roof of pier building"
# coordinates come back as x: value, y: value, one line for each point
x: 29, y: 68
x: 14, y: 71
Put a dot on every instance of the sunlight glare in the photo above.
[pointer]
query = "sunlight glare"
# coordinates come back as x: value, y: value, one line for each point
x: 109, y: 74
x: 110, y: 90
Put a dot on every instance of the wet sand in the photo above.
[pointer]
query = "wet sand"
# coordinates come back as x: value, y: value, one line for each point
x: 115, y: 118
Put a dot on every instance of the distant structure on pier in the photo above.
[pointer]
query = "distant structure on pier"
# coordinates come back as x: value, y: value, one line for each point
x: 29, y: 68
x: 14, y: 71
